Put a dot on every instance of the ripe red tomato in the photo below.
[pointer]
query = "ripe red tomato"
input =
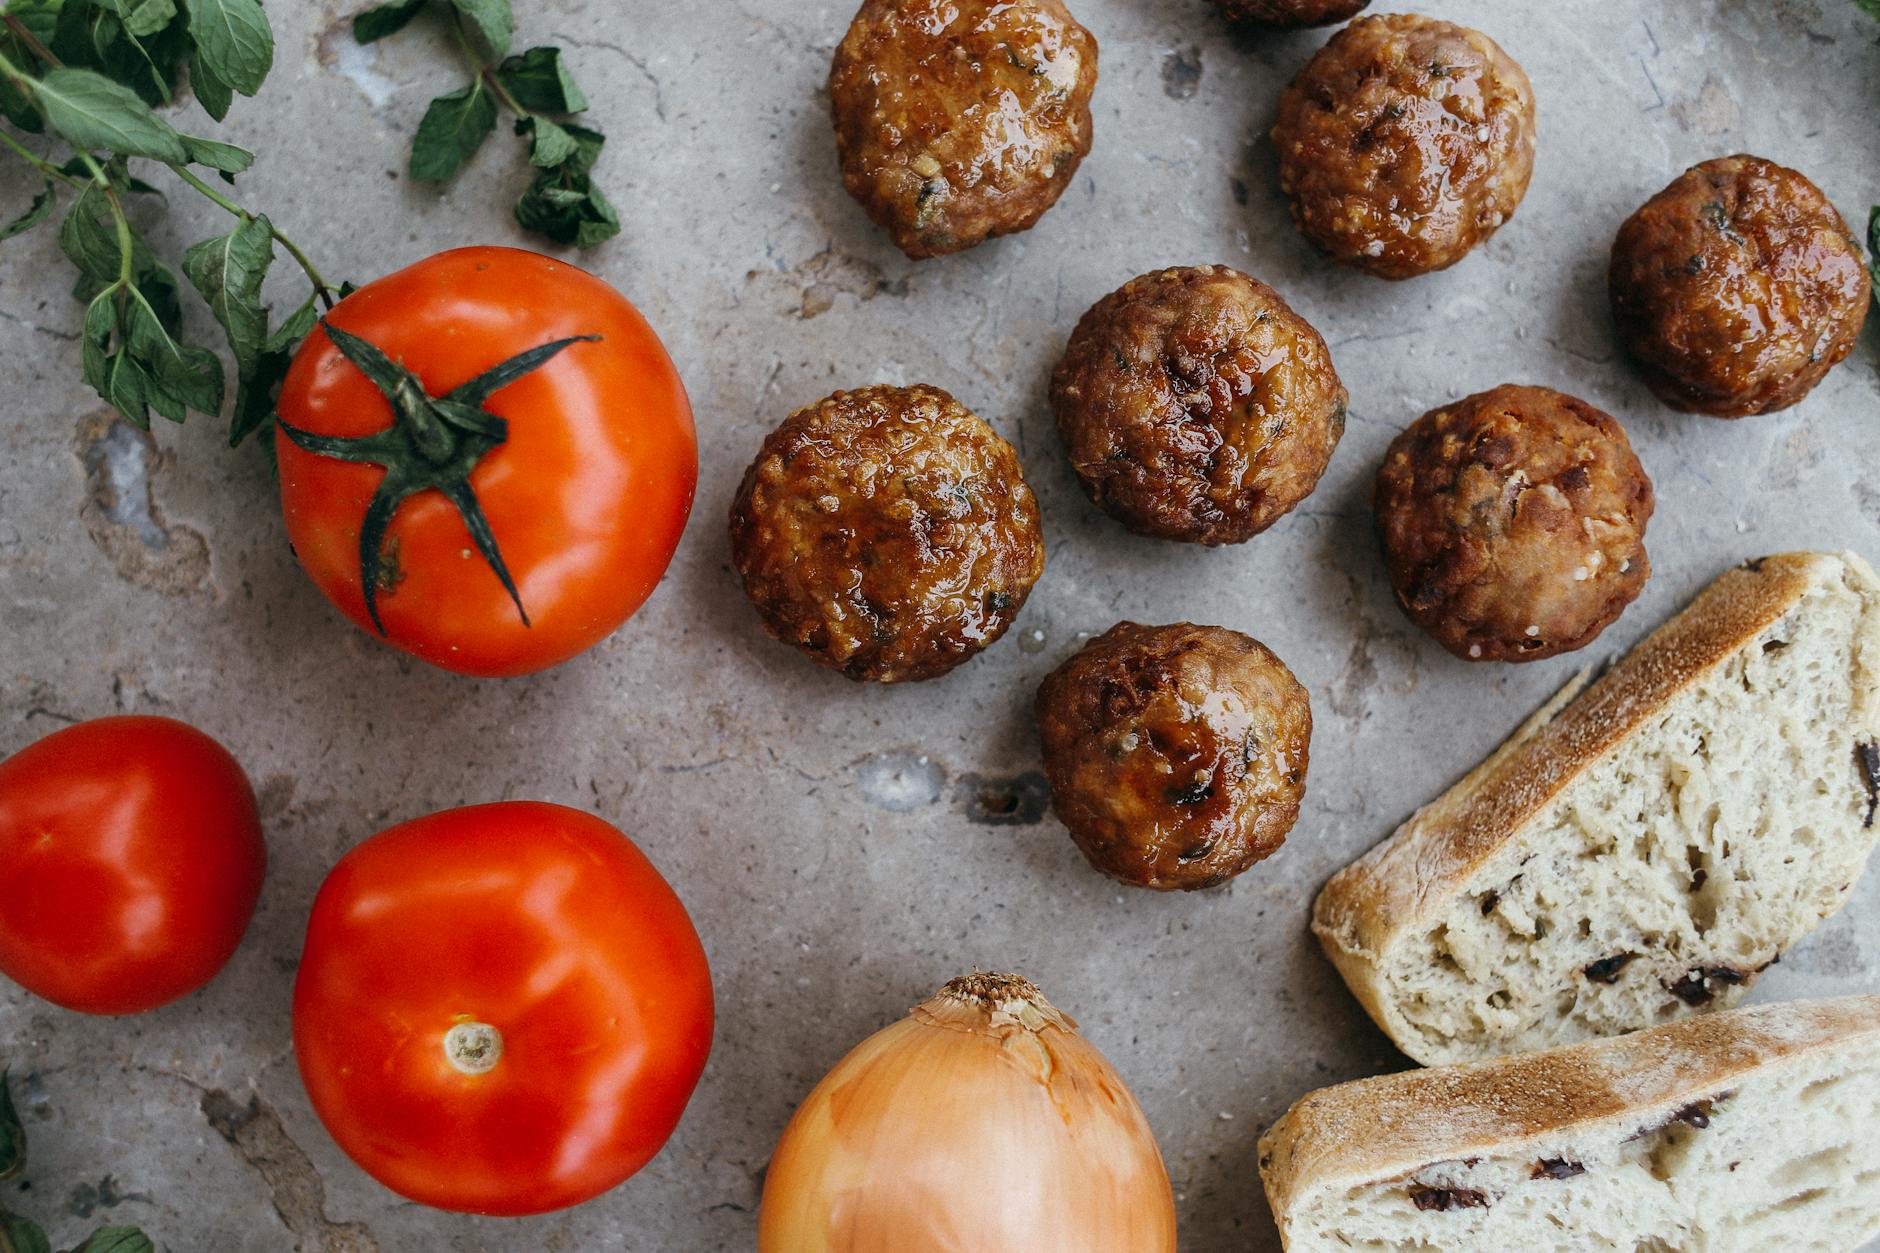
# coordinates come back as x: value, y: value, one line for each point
x: 130, y: 860
x: 501, y: 1009
x: 585, y: 498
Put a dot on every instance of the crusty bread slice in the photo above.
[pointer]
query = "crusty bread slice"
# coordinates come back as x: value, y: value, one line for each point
x: 1643, y: 849
x: 1756, y: 1129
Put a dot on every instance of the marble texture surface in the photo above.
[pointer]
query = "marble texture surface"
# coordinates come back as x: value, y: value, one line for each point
x: 846, y: 849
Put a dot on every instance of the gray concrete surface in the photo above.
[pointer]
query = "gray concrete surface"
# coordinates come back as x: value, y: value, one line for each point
x: 829, y: 838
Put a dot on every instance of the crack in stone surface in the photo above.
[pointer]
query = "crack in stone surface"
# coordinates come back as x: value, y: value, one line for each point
x: 255, y: 1132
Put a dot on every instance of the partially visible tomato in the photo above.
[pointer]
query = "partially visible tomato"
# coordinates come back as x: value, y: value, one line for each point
x: 586, y: 496
x: 130, y: 861
x: 502, y: 1009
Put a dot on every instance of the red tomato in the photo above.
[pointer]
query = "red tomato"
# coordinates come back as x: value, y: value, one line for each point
x: 501, y: 1009
x: 130, y: 860
x: 586, y: 498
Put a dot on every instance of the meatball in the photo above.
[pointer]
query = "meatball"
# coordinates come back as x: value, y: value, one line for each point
x: 1197, y: 406
x: 887, y: 532
x: 1405, y: 143
x: 1737, y: 288
x: 958, y: 120
x: 1176, y: 754
x: 1513, y: 523
x: 1292, y: 13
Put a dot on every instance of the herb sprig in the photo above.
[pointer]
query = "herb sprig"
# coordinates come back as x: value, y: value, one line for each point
x: 88, y: 73
x: 561, y: 201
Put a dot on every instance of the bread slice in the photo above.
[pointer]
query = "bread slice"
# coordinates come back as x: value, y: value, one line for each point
x: 1640, y: 850
x: 1756, y: 1129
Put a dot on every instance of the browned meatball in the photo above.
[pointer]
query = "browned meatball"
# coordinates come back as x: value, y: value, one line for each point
x: 1405, y: 143
x: 1177, y: 754
x: 1197, y: 406
x: 958, y: 120
x: 1737, y: 288
x: 1513, y: 523
x: 887, y: 532
x: 1292, y: 13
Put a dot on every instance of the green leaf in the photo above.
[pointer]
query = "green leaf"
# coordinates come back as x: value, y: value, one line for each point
x: 214, y: 95
x: 490, y: 23
x: 564, y: 205
x: 100, y: 324
x: 88, y: 237
x: 93, y: 112
x: 228, y: 271
x: 116, y: 1240
x: 217, y: 156
x: 260, y: 383
x: 15, y: 105
x: 453, y: 128
x: 188, y: 376
x: 143, y: 18
x: 1870, y: 7
x: 126, y: 384
x: 550, y: 144
x: 22, y: 1235
x: 41, y: 17
x: 234, y: 41
x: 541, y: 83
x: 12, y: 1131
x: 376, y: 23
x: 41, y: 209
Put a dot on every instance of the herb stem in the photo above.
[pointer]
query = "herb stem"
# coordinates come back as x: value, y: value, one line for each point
x: 321, y: 287
x: 38, y: 162
x: 24, y: 34
x: 124, y: 238
x: 485, y: 71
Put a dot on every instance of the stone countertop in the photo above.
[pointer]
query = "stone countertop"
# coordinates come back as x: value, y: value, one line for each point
x: 846, y: 849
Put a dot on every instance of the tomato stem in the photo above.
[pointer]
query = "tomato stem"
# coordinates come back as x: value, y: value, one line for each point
x: 434, y: 443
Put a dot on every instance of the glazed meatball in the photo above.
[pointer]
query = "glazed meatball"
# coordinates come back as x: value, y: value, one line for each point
x: 887, y: 532
x: 1292, y: 13
x: 1177, y: 754
x: 1737, y: 288
x: 1513, y: 523
x: 958, y: 120
x: 1405, y: 143
x: 1197, y: 406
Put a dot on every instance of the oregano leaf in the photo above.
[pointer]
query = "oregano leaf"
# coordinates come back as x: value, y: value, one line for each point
x: 550, y: 144
x: 189, y: 376
x: 88, y: 237
x: 116, y: 1240
x: 453, y: 128
x: 258, y: 386
x: 228, y: 272
x: 541, y: 82
x: 143, y: 18
x: 233, y: 39
x: 226, y: 158
x: 386, y: 19
x: 490, y: 22
x: 23, y: 1235
x: 37, y: 212
x: 93, y: 112
x: 214, y: 95
x: 125, y: 384
x: 100, y: 323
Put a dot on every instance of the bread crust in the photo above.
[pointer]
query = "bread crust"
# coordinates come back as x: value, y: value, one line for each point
x: 1372, y: 1130
x: 1406, y: 882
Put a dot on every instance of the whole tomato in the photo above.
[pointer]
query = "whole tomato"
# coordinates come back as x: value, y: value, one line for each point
x: 509, y: 530
x: 501, y: 1009
x: 130, y: 861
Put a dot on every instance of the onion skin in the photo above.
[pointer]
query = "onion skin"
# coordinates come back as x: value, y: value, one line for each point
x: 978, y: 1124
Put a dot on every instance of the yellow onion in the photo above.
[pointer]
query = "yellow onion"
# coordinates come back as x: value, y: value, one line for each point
x: 980, y: 1123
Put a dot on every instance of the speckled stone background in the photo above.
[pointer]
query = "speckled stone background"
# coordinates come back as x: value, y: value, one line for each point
x: 834, y: 842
